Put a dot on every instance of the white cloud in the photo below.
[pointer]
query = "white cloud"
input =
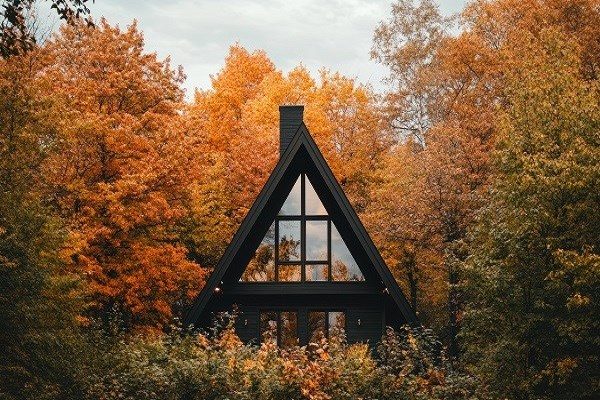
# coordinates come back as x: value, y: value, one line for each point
x: 335, y: 34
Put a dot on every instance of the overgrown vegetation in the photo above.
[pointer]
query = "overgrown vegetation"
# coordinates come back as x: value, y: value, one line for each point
x: 186, y: 365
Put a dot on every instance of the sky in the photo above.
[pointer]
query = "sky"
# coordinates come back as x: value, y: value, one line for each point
x: 197, y: 34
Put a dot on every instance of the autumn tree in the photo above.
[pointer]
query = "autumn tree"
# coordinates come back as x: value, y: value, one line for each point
x: 237, y: 123
x: 407, y: 44
x: 350, y: 131
x: 122, y: 173
x: 441, y: 165
x: 229, y: 169
x: 531, y: 324
x: 39, y: 301
x: 453, y: 87
x: 409, y: 248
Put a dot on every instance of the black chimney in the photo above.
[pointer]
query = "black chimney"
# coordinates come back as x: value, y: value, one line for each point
x: 290, y: 118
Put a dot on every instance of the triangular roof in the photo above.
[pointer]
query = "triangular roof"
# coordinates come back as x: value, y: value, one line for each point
x: 301, y: 155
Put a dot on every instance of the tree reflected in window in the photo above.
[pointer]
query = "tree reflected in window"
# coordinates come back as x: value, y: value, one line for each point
x: 288, y: 331
x: 289, y: 241
x: 261, y: 267
x: 336, y: 323
x: 343, y: 266
x: 325, y: 324
x: 290, y: 273
x: 268, y: 327
x: 317, y: 326
x: 279, y: 327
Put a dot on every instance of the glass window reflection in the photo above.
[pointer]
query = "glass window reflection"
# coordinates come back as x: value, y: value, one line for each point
x: 261, y: 267
x: 337, y: 323
x: 325, y: 324
x: 292, y: 205
x: 343, y: 266
x: 317, y: 326
x: 313, y: 204
x: 316, y: 240
x: 290, y: 273
x: 268, y: 327
x: 279, y: 327
x: 288, y: 333
x: 316, y: 272
x: 309, y: 246
x: 289, y: 241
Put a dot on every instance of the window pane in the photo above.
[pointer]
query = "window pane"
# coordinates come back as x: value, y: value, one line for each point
x: 290, y: 273
x: 289, y: 241
x: 288, y: 328
x: 316, y: 240
x: 316, y: 326
x: 268, y: 327
x: 313, y: 205
x: 343, y: 266
x: 261, y: 267
x: 317, y: 272
x: 337, y: 323
x: 292, y: 205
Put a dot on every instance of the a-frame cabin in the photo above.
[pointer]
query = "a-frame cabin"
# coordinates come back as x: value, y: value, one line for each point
x: 301, y: 264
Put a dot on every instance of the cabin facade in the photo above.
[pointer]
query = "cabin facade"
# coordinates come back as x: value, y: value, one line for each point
x: 301, y: 265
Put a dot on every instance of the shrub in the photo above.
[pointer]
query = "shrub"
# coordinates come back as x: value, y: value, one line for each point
x: 216, y: 365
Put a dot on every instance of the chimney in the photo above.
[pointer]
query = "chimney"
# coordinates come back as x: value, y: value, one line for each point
x: 290, y: 118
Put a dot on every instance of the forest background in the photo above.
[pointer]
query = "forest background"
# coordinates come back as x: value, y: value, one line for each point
x: 476, y: 173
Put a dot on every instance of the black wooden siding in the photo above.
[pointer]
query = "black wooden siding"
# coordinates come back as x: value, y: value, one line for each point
x: 369, y: 309
x: 301, y: 288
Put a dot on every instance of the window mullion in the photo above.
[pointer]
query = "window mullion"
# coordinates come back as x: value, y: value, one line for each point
x: 329, y: 278
x: 302, y: 229
x: 276, y: 249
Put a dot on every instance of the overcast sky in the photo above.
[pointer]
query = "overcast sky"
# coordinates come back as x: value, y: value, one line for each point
x: 336, y: 34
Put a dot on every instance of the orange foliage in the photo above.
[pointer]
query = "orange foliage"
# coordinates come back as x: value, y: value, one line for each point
x: 444, y: 101
x: 122, y: 174
x: 237, y: 122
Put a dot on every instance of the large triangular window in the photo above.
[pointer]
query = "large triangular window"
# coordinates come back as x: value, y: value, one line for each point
x: 302, y: 244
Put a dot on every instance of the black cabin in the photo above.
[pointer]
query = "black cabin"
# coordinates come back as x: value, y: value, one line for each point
x: 301, y: 264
